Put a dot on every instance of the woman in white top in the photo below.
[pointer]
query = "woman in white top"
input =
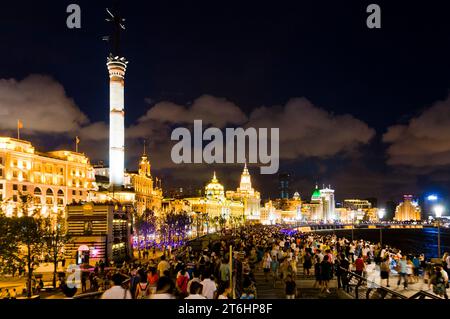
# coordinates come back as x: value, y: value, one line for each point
x: 266, y: 262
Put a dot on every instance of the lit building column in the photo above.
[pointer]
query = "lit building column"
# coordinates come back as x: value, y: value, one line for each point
x: 117, y: 68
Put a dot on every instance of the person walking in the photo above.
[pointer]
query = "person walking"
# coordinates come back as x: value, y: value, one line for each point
x: 182, y: 282
x: 307, y: 263
x: 163, y: 265
x: 360, y: 266
x: 317, y: 271
x: 143, y: 287
x: 290, y: 288
x: 117, y: 291
x: 439, y: 283
x: 402, y: 269
x: 385, y: 270
x: 267, y: 261
x: 209, y: 286
x: 326, y: 272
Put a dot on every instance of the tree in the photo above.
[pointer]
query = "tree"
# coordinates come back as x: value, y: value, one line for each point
x: 9, y: 249
x: 56, y: 238
x: 145, y: 224
x: 29, y: 232
x: 222, y: 222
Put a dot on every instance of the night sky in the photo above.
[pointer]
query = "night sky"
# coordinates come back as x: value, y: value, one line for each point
x: 367, y: 111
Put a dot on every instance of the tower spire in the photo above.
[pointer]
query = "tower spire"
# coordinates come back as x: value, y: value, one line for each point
x: 118, y: 25
x: 145, y: 151
x: 117, y: 67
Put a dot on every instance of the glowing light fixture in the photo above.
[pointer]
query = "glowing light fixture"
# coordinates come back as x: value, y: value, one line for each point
x: 438, y: 210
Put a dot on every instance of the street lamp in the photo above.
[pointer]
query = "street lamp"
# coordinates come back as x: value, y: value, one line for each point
x: 381, y: 213
x: 439, y: 210
x: 352, y: 216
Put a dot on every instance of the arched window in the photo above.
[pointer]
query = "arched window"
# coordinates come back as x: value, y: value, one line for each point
x: 37, y: 191
x: 60, y: 193
x: 49, y: 192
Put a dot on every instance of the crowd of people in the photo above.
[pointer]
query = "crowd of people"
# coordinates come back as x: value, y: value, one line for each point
x: 280, y: 255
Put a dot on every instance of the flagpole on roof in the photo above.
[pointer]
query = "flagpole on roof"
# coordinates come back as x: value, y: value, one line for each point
x: 19, y: 126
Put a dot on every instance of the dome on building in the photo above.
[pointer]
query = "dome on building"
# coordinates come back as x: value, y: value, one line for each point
x: 296, y: 196
x: 316, y: 194
x: 214, y: 188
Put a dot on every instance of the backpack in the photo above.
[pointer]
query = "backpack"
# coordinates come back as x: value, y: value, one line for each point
x: 142, y: 292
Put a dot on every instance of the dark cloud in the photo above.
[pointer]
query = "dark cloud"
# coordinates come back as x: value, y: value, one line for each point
x: 424, y: 141
x: 309, y: 131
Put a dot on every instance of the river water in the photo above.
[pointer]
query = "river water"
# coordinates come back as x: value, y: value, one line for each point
x: 414, y: 241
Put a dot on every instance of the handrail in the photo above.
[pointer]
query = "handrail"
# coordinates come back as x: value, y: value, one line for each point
x: 89, y: 295
x: 422, y: 294
x: 381, y: 292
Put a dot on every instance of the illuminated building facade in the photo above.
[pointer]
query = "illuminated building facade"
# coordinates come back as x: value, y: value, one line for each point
x: 248, y: 196
x: 50, y: 180
x: 329, y: 205
x: 408, y: 210
x: 98, y: 232
x: 216, y: 204
x: 147, y: 194
x: 362, y: 211
x: 287, y: 210
x: 321, y: 207
x: 355, y: 204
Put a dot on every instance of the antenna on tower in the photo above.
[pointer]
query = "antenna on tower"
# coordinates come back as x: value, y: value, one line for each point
x: 118, y: 22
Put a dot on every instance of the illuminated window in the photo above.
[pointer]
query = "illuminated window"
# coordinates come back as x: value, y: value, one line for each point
x: 15, y: 187
x: 15, y: 174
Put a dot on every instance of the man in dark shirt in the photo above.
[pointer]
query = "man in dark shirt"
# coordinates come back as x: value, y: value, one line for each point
x: 291, y: 287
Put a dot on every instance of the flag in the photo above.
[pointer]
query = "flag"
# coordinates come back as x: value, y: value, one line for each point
x: 19, y: 124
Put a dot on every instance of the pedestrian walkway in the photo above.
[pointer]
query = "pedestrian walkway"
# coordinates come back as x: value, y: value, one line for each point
x: 373, y: 276
x: 305, y: 286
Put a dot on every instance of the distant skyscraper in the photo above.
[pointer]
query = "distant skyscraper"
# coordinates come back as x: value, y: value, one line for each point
x: 329, y: 205
x: 284, y: 179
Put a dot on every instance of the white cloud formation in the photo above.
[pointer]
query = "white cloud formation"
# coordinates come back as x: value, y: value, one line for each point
x: 40, y: 103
